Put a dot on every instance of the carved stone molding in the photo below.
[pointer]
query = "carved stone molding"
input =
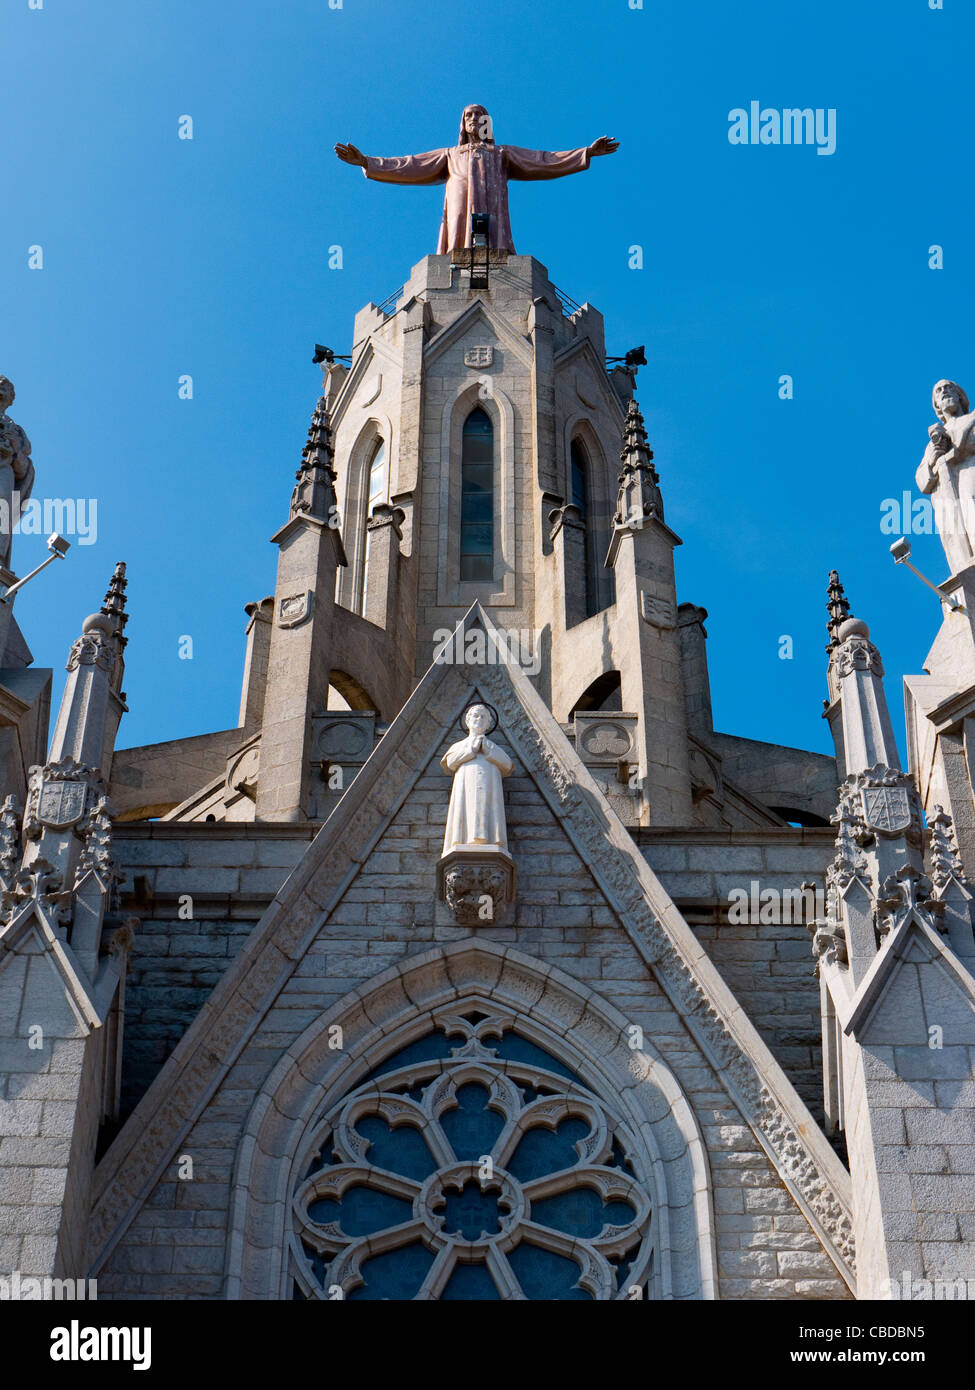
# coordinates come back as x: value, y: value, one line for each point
x: 477, y: 886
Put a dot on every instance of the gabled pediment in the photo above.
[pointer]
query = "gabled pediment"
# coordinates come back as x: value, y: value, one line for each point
x: 477, y: 315
x: 655, y: 929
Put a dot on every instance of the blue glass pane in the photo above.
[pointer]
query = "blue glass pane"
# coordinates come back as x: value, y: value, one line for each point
x: 470, y: 1127
x: 478, y: 423
x: 476, y: 539
x: 478, y: 507
x: 471, y: 1283
x: 402, y: 1150
x: 618, y: 1159
x: 477, y: 479
x: 325, y: 1155
x: 581, y: 1212
x: 471, y: 1211
x: 543, y: 1274
x: 396, y: 1274
x: 578, y: 476
x: 543, y: 1151
x: 431, y: 1047
x: 361, y: 1211
x: 519, y: 1049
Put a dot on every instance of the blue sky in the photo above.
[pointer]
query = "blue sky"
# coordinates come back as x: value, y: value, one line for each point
x: 210, y: 257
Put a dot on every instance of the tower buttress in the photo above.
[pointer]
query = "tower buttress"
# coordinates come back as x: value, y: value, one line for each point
x: 310, y: 552
x: 647, y: 641
x: 63, y: 958
x: 894, y: 955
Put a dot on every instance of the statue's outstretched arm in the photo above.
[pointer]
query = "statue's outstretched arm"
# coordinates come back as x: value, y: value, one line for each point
x: 554, y: 164
x: 430, y: 167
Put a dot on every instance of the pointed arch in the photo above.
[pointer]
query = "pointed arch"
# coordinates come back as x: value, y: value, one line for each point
x: 543, y: 1005
x: 373, y: 442
x: 591, y: 481
x: 498, y: 409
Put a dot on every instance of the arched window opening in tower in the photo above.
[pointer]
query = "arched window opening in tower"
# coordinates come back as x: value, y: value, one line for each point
x: 604, y: 693
x: 581, y: 496
x: 477, y: 498
x: 376, y: 490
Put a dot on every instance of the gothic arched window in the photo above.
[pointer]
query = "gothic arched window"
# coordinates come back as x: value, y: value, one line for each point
x: 471, y: 1164
x: 581, y: 496
x: 477, y: 498
x: 375, y: 490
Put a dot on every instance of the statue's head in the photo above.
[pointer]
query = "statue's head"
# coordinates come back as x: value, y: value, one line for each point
x: 948, y: 399
x: 475, y: 125
x: 479, y: 719
x: 7, y: 393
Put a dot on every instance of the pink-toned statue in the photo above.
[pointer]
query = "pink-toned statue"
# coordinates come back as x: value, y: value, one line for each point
x: 476, y: 172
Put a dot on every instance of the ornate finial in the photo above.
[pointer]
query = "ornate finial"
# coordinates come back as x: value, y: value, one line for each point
x: 639, y: 494
x: 96, y: 854
x: 10, y: 819
x: 945, y: 859
x: 314, y: 493
x: 114, y: 605
x: 838, y: 607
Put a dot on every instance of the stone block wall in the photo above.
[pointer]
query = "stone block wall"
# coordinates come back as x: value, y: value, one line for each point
x: 768, y: 966
x: 223, y: 877
x: 176, y: 1245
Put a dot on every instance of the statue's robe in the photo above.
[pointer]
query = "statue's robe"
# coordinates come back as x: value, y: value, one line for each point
x: 951, y: 478
x: 477, y: 181
x: 475, y: 816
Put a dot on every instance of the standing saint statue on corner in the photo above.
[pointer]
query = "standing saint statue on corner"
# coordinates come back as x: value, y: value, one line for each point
x: 948, y: 470
x: 476, y: 172
x: 16, y: 470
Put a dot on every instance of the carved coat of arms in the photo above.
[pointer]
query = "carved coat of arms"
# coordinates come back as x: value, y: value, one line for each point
x: 294, y: 609
x: 61, y: 804
x: 480, y: 356
x: 659, y: 612
x: 886, y: 809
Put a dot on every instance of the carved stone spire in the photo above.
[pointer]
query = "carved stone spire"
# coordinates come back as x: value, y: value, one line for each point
x: 114, y: 609
x: 78, y: 767
x: 639, y: 494
x: 856, y: 679
x: 838, y: 607
x: 314, y: 493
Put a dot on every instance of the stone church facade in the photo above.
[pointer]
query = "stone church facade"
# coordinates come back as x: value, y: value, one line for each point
x: 706, y: 1032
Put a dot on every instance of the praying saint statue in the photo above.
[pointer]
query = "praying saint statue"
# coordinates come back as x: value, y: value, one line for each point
x: 948, y: 470
x: 475, y: 816
x: 16, y: 470
x: 476, y: 172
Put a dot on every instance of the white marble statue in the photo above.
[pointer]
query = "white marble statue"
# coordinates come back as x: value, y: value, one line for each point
x: 948, y: 471
x: 475, y: 817
x: 16, y: 470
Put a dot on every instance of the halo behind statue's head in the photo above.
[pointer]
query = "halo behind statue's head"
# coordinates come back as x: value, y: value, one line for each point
x: 479, y: 704
x: 487, y: 132
x: 962, y: 396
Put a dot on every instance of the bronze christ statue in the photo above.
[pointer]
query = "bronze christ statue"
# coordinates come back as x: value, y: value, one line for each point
x: 476, y: 172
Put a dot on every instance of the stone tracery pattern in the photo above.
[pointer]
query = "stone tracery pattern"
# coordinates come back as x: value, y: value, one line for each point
x: 483, y: 1171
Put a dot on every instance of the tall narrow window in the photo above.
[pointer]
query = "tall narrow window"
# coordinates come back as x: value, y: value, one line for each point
x: 477, y: 498
x: 377, y: 486
x: 582, y: 499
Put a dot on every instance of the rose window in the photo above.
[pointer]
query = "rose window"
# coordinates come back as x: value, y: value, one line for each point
x: 470, y: 1165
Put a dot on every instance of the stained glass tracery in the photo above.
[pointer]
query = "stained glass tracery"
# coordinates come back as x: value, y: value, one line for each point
x: 470, y: 1165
